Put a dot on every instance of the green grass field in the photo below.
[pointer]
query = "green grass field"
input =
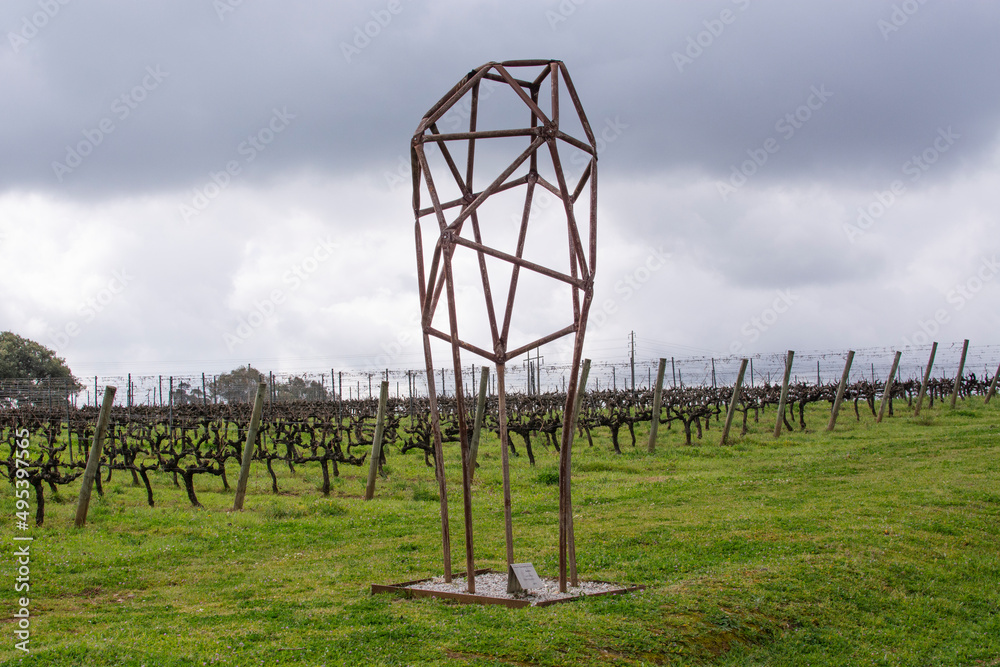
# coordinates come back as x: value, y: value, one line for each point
x: 874, y: 545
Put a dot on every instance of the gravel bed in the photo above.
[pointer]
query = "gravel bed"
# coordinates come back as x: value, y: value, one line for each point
x: 494, y: 585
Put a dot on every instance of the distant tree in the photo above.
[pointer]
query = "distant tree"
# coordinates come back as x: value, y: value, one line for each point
x: 238, y: 385
x: 184, y: 393
x: 298, y: 389
x: 36, y: 367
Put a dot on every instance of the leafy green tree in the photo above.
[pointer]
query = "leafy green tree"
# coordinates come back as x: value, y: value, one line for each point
x: 28, y: 370
x: 24, y: 358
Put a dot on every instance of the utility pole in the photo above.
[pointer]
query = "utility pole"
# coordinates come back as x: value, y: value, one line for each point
x: 632, y: 359
x: 538, y: 370
x: 534, y: 370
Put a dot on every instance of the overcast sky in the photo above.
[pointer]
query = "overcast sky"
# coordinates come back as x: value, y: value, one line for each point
x: 774, y: 175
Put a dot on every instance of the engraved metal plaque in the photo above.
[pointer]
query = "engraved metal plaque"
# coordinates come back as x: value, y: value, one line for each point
x: 522, y: 577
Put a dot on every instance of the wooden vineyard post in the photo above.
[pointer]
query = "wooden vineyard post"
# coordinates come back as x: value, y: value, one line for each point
x: 439, y: 458
x: 477, y: 426
x: 737, y: 388
x: 927, y: 378
x: 258, y: 406
x: 658, y: 401
x: 841, y: 388
x: 584, y: 374
x: 170, y: 417
x: 784, y: 393
x: 94, y: 460
x: 383, y: 399
x: 887, y: 394
x: 958, y: 376
x: 993, y: 386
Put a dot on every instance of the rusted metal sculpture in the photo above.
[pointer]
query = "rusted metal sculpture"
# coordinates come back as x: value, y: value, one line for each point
x: 460, y: 227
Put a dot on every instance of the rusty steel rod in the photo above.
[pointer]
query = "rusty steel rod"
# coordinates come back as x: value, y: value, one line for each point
x: 519, y: 252
x: 449, y: 101
x: 518, y: 88
x: 496, y: 184
x: 537, y: 268
x: 468, y: 346
x: 462, y: 201
x: 438, y: 459
x: 537, y: 62
x: 505, y: 463
x: 483, y: 134
x: 565, y: 453
x: 462, y: 430
x: 499, y: 79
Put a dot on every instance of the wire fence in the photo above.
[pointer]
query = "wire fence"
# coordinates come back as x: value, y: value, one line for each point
x: 528, y: 375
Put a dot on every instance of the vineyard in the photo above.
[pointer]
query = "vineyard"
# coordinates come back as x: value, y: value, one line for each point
x: 196, y: 440
x: 840, y: 547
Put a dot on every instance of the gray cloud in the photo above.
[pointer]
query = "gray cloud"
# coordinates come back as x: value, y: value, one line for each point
x: 226, y: 76
x: 253, y: 117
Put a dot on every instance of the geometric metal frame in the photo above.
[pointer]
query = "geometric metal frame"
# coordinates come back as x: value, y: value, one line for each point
x: 458, y: 226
